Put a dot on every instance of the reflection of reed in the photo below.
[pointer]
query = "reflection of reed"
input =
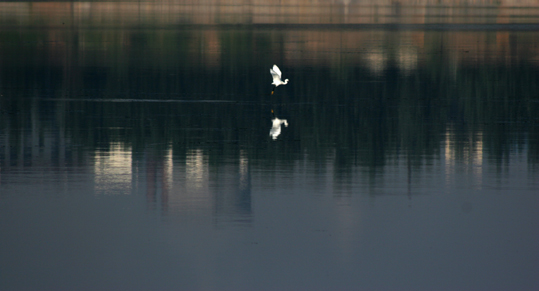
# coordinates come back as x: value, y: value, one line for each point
x: 245, y: 173
x: 28, y: 143
x: 195, y: 188
x: 376, y: 61
x: 195, y: 170
x: 189, y: 191
x: 466, y: 152
x: 113, y: 170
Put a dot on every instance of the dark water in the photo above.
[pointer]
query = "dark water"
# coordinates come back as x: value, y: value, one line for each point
x: 135, y: 151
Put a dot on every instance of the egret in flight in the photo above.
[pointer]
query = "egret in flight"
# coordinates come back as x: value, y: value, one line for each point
x: 276, y: 74
x: 276, y: 126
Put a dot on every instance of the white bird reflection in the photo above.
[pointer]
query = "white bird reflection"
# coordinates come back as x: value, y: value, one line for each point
x: 275, y: 130
x: 276, y: 74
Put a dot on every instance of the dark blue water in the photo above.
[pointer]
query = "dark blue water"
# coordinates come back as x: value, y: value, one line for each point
x: 136, y: 154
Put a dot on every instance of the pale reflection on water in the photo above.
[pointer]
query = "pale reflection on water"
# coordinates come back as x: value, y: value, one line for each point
x: 193, y: 191
x: 113, y: 171
x: 464, y: 156
x: 196, y: 170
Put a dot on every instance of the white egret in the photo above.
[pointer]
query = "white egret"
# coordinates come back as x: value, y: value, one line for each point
x: 275, y: 130
x: 276, y: 74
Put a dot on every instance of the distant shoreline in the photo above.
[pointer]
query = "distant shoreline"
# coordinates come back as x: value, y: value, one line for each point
x: 345, y: 14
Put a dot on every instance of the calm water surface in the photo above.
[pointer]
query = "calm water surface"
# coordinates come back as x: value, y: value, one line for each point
x: 135, y: 154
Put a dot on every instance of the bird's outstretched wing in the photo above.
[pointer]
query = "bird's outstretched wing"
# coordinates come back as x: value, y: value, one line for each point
x: 277, y: 71
x: 275, y: 75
